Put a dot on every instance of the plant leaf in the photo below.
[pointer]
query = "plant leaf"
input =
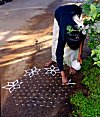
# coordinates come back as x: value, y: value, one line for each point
x: 93, y: 14
x: 93, y: 52
x: 93, y: 7
x: 97, y: 63
x: 95, y: 59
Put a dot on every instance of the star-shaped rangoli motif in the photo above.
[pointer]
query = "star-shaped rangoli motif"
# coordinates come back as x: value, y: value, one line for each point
x: 11, y: 86
x: 52, y: 70
x: 32, y: 72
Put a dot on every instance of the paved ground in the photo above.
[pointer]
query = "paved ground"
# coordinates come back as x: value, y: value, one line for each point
x: 39, y: 95
x: 25, y: 41
x: 17, y: 36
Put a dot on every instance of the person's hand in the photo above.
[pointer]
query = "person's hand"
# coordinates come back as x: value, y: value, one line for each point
x: 79, y: 59
x: 64, y: 78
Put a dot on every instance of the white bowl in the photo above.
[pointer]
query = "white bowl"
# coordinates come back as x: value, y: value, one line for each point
x: 76, y: 65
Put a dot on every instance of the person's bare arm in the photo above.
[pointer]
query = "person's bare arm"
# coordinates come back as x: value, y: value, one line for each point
x: 80, y: 52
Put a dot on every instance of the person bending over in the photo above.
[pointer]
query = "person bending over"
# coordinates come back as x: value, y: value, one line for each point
x: 61, y: 53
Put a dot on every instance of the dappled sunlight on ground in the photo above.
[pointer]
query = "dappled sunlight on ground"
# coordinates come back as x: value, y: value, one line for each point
x: 24, y: 43
x: 2, y: 34
x: 21, y: 50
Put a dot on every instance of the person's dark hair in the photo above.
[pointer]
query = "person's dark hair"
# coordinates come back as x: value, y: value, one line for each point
x: 74, y: 39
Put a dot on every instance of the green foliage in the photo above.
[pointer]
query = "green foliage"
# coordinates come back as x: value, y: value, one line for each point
x: 88, y: 106
x: 69, y: 29
x: 85, y: 107
x: 92, y: 11
x: 96, y: 55
x: 91, y: 79
x: 86, y: 9
x: 87, y: 64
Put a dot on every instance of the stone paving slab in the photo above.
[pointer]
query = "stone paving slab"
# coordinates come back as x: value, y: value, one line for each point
x: 37, y: 96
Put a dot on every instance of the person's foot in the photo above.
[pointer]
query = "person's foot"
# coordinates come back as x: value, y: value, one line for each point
x: 49, y: 63
x: 72, y: 70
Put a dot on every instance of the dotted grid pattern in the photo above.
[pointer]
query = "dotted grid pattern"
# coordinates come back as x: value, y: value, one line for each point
x: 40, y: 91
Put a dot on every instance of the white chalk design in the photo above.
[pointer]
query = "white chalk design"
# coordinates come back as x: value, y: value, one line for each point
x: 52, y: 70
x: 32, y: 72
x: 69, y: 82
x: 11, y: 86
